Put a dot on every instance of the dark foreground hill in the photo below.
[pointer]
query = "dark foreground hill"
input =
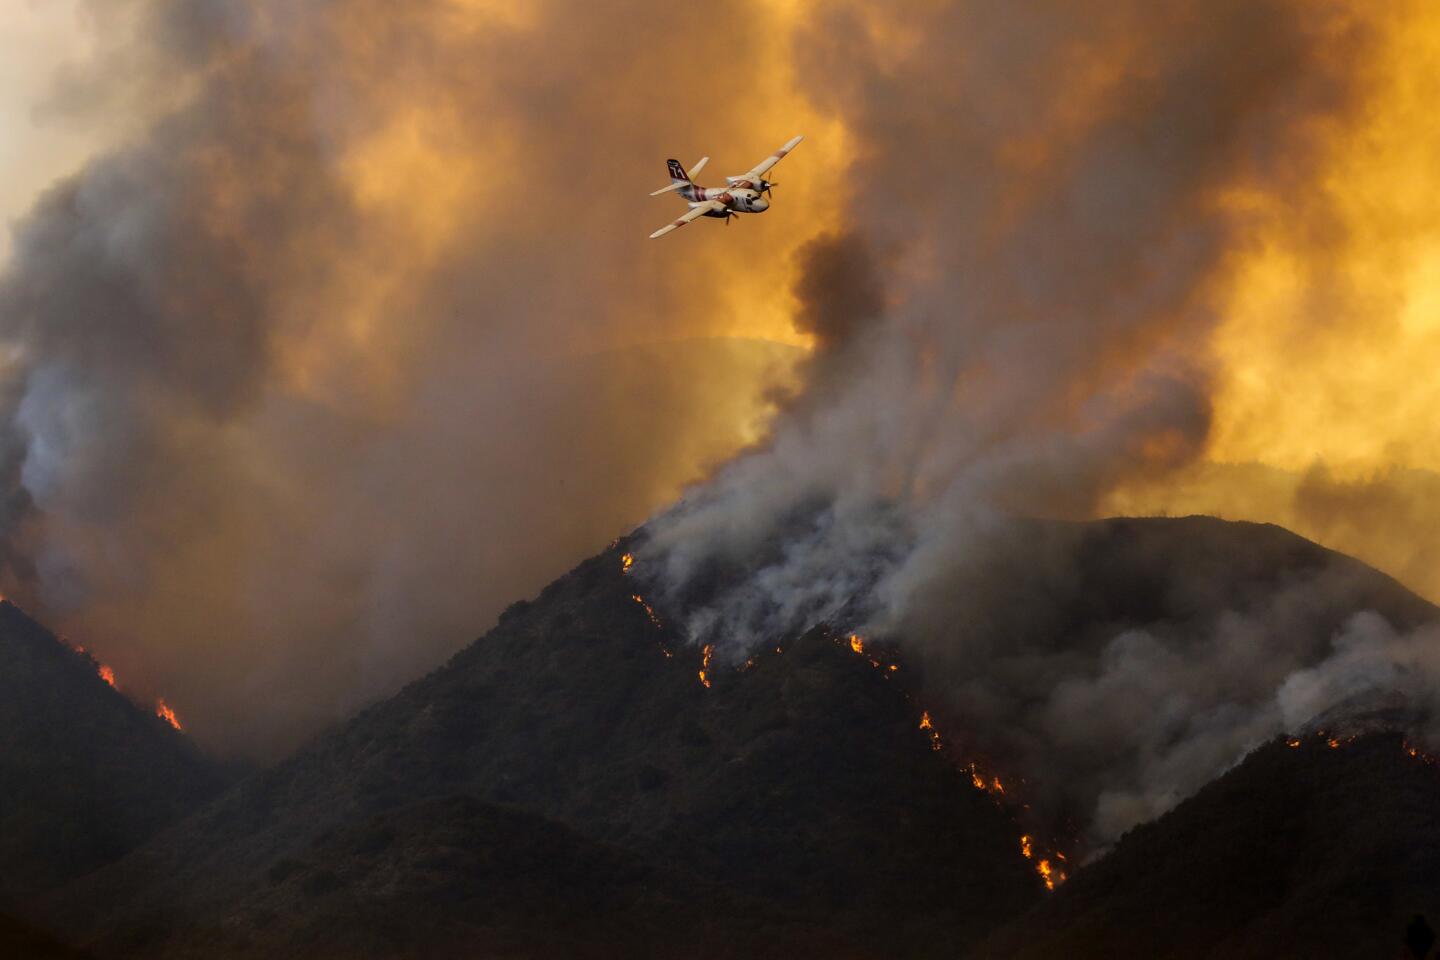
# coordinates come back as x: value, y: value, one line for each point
x: 1304, y: 850
x: 791, y: 809
x: 85, y: 775
x: 18, y: 941
x: 570, y: 785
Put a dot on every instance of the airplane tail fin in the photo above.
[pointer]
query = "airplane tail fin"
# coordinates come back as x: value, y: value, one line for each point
x: 679, y: 179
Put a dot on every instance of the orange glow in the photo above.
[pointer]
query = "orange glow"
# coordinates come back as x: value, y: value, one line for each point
x: 163, y: 711
x: 1050, y: 874
x: 649, y: 610
x: 1416, y: 753
x: 1329, y: 330
x: 705, y: 653
x: 107, y: 675
x: 930, y: 731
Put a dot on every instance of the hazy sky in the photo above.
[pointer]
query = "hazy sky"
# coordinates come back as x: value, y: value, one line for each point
x: 37, y: 37
x: 349, y: 335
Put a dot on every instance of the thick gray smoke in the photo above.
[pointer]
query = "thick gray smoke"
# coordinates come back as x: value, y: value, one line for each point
x: 1045, y: 190
x: 357, y: 338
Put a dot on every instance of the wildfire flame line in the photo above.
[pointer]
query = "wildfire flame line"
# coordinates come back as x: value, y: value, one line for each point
x: 107, y: 673
x: 1334, y: 742
x: 705, y: 654
x: 163, y: 711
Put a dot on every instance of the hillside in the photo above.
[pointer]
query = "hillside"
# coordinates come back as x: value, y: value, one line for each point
x: 802, y: 784
x: 87, y: 774
x: 578, y: 782
x: 22, y: 942
x: 1300, y: 851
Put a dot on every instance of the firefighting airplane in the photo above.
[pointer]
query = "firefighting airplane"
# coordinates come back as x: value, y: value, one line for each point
x: 742, y: 194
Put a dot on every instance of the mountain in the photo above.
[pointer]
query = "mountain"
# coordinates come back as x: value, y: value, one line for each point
x: 580, y: 782
x: 1323, y: 846
x: 85, y: 775
x: 791, y: 809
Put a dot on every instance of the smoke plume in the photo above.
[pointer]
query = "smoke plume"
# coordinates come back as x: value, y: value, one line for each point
x: 351, y: 341
x: 353, y: 338
x: 1067, y: 204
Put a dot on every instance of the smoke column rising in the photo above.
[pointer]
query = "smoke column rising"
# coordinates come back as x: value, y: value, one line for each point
x: 356, y: 338
x: 1067, y: 208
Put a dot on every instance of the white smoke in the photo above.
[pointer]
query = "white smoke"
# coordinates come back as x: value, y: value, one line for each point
x: 1040, y: 336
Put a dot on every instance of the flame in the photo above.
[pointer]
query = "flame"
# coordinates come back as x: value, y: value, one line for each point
x: 649, y: 610
x: 626, y: 562
x: 930, y: 731
x: 1292, y: 742
x: 163, y: 711
x: 976, y: 779
x: 857, y: 646
x: 1417, y: 754
x: 705, y: 653
x: 107, y: 675
x: 1052, y: 876
x: 1049, y: 872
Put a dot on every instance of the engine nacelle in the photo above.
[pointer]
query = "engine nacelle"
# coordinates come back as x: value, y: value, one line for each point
x: 759, y: 185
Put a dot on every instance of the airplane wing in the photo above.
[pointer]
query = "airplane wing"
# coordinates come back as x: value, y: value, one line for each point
x: 763, y: 167
x: 694, y: 213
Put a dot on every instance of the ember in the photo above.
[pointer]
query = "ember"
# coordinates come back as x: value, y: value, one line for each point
x: 649, y: 610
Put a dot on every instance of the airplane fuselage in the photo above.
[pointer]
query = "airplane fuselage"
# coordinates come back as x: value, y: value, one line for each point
x: 736, y: 199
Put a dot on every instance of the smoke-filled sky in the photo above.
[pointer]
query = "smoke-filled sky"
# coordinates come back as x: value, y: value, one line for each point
x: 347, y: 333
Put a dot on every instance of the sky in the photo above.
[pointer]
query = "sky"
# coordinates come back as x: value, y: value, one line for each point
x: 357, y: 296
x: 39, y: 38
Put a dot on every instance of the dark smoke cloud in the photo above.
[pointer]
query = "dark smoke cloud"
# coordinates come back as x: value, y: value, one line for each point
x: 354, y: 342
x: 357, y: 339
x: 1052, y: 183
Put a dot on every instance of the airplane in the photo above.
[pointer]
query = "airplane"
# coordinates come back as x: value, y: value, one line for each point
x: 743, y: 194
